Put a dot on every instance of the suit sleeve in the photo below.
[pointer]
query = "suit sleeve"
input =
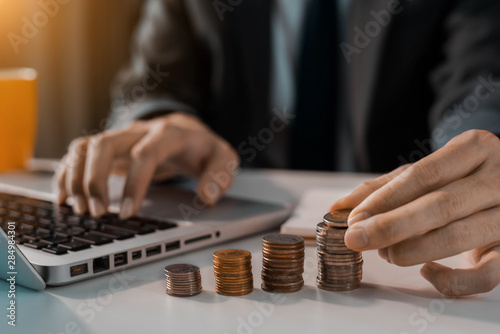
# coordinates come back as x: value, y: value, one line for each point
x: 167, y: 70
x: 467, y: 84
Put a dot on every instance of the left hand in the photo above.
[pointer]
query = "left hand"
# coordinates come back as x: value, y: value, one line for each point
x: 440, y: 206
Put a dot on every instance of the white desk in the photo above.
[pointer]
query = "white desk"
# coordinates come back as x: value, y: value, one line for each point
x: 391, y: 299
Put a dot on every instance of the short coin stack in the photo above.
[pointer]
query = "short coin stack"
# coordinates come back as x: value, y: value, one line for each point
x: 233, y: 272
x: 339, y: 268
x: 282, y: 263
x: 183, y: 280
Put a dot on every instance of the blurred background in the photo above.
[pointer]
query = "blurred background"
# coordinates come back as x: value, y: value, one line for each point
x: 77, y: 47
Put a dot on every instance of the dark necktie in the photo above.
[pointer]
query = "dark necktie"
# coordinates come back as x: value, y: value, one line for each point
x: 314, y: 131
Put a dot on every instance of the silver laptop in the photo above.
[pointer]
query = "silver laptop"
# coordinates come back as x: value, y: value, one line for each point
x: 50, y: 245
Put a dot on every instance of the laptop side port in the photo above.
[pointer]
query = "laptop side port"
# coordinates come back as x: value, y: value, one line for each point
x: 101, y: 264
x: 153, y: 250
x: 121, y: 259
x: 196, y: 239
x: 136, y: 255
x: 172, y: 246
x: 79, y: 269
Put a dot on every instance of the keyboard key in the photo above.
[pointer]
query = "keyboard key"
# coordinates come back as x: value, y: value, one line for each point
x: 35, y: 244
x: 133, y: 226
x: 90, y: 224
x: 41, y: 212
x: 71, y: 232
x: 73, y: 220
x: 116, y: 233
x: 94, y: 239
x: 75, y: 245
x: 56, y: 250
x: 54, y: 240
x: 160, y: 225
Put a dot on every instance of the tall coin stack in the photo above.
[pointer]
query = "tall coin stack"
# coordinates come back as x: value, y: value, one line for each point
x: 183, y: 280
x: 282, y: 263
x: 233, y: 272
x: 339, y: 268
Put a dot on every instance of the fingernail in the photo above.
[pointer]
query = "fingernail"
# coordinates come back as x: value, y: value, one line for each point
x: 384, y: 253
x: 96, y: 207
x: 79, y: 205
x: 127, y: 209
x: 356, y: 238
x: 357, y: 218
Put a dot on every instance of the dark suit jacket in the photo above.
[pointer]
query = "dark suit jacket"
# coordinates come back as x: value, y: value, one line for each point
x: 398, y: 88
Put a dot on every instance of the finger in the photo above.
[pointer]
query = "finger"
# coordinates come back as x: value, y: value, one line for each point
x: 365, y: 189
x: 157, y: 146
x: 426, y: 213
x: 218, y: 174
x: 430, y: 173
x: 75, y: 169
x: 462, y: 282
x: 472, y: 232
x: 103, y: 149
x: 59, y: 182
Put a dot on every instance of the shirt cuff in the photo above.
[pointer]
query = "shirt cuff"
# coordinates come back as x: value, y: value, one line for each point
x: 460, y: 121
x: 124, y: 114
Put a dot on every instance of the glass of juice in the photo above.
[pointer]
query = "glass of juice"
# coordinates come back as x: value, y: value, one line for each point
x: 18, y: 117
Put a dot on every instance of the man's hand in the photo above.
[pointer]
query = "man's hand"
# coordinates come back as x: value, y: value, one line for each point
x: 442, y: 205
x: 176, y: 144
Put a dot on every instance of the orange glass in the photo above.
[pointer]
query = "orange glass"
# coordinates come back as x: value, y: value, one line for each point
x: 18, y: 110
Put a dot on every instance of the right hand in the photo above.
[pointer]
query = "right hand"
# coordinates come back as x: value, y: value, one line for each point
x: 158, y: 149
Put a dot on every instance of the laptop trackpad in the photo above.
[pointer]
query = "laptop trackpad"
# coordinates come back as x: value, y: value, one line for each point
x: 171, y: 202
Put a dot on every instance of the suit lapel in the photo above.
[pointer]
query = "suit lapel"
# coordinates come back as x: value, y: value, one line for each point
x: 362, y: 71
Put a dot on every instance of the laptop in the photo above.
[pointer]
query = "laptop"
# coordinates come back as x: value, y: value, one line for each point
x: 46, y: 245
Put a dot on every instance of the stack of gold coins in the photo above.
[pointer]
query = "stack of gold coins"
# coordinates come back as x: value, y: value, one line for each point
x: 233, y: 272
x: 183, y: 280
x: 339, y: 268
x: 282, y: 263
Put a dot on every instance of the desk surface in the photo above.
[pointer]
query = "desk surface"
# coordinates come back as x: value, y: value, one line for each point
x: 391, y: 299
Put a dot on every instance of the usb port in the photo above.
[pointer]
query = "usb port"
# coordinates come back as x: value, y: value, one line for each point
x: 153, y: 250
x: 78, y: 270
x: 172, y: 245
x: 136, y: 255
x: 120, y: 259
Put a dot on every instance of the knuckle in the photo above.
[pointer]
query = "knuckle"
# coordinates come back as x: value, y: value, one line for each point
x: 447, y: 205
x: 426, y: 173
x: 370, y: 184
x: 142, y: 152
x: 100, y: 141
x: 399, y: 256
x: 480, y: 137
x: 455, y: 239
x: 77, y: 143
x: 386, y: 229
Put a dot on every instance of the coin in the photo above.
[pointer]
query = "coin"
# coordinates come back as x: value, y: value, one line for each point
x: 337, y: 218
x: 282, y: 263
x: 339, y: 268
x: 233, y: 272
x: 183, y: 280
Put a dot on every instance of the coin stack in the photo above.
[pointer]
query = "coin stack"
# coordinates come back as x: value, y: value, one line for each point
x: 282, y: 263
x: 233, y: 272
x: 183, y: 280
x: 339, y: 268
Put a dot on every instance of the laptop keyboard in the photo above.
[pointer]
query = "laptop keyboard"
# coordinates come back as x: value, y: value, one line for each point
x: 56, y: 229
